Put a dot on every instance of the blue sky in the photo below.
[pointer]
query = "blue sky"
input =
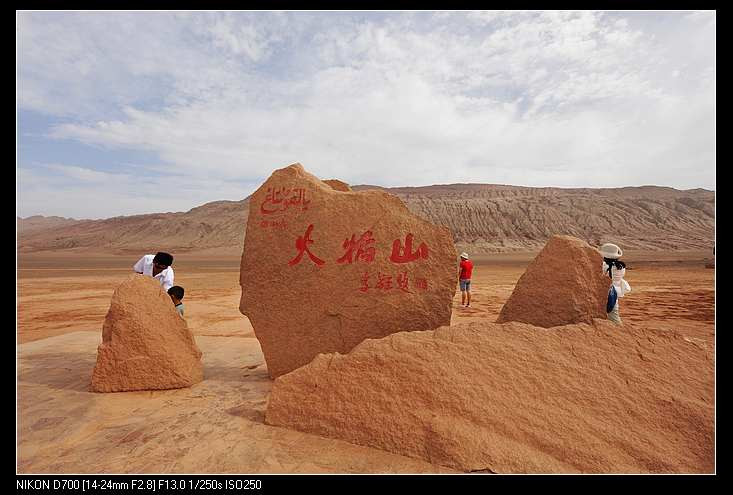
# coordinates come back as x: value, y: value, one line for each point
x: 123, y: 113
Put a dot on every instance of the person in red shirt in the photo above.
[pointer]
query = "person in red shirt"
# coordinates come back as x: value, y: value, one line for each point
x: 464, y: 279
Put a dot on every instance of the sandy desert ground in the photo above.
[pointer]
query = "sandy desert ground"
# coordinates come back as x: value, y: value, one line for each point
x: 217, y: 426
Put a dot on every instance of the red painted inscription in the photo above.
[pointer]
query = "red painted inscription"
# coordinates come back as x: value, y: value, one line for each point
x: 281, y: 198
x: 384, y: 281
x: 301, y: 244
x: 358, y: 249
x: 405, y: 255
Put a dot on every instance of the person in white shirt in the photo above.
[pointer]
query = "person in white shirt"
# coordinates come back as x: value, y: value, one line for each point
x: 616, y: 270
x: 158, y: 267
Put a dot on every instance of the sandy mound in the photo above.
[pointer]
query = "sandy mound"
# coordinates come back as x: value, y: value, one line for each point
x: 145, y: 344
x: 514, y: 398
x: 322, y: 269
x: 563, y: 285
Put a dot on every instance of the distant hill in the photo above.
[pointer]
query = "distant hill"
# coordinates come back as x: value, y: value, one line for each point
x: 39, y: 222
x: 482, y: 217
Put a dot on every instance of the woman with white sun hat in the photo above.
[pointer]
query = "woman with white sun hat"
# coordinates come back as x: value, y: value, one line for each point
x: 616, y: 270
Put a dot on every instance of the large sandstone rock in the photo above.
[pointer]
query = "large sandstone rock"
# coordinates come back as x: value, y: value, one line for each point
x: 513, y: 398
x: 145, y: 344
x: 323, y: 269
x: 564, y: 284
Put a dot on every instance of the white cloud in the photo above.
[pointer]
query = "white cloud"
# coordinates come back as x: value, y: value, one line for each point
x: 534, y: 98
x: 79, y: 192
x: 703, y: 16
x: 87, y: 175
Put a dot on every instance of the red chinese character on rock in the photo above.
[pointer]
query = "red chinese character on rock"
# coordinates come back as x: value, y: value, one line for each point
x: 301, y: 244
x: 407, y: 255
x: 422, y: 283
x: 384, y: 282
x: 364, y: 282
x: 402, y: 281
x: 364, y: 251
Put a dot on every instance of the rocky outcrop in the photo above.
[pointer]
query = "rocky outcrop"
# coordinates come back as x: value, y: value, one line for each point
x: 324, y: 269
x: 481, y: 217
x: 145, y: 344
x: 214, y: 225
x: 514, y: 398
x: 495, y: 218
x: 564, y: 284
x: 40, y: 223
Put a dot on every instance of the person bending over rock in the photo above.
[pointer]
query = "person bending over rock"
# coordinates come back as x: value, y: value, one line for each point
x: 464, y: 279
x: 158, y: 267
x: 616, y: 270
x: 176, y: 293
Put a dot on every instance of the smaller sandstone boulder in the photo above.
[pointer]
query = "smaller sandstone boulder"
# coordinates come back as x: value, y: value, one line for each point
x: 563, y: 285
x: 145, y: 344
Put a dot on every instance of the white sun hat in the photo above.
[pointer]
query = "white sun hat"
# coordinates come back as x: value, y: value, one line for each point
x: 611, y: 251
x: 464, y: 255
